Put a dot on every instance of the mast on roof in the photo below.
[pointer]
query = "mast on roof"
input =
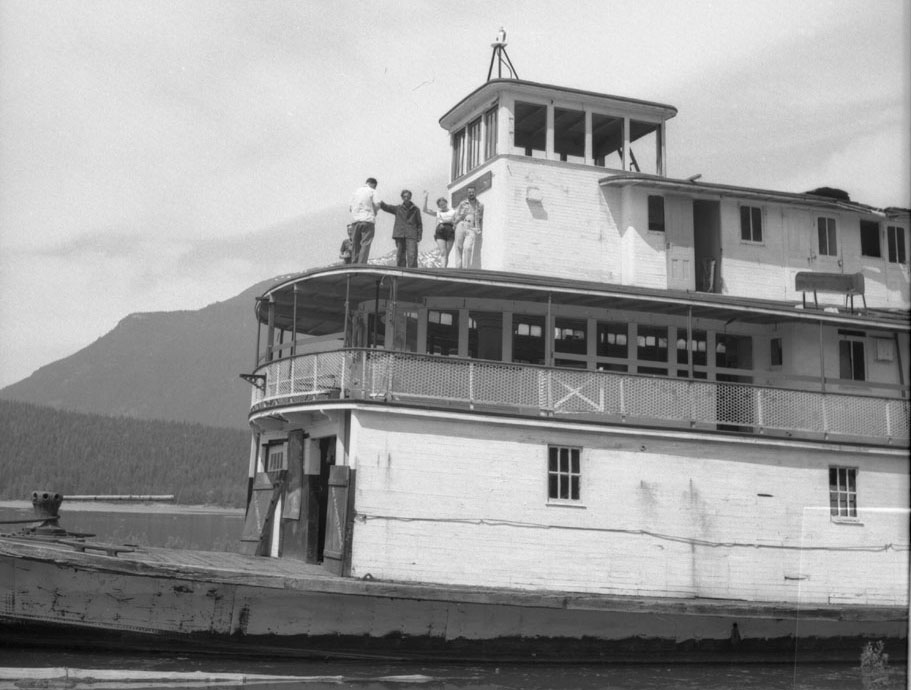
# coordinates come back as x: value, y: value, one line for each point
x: 499, y: 54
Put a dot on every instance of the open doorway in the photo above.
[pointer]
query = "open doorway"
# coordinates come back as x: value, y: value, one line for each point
x: 707, y: 244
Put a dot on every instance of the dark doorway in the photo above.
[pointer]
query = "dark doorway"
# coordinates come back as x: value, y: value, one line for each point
x: 707, y: 245
x: 734, y: 404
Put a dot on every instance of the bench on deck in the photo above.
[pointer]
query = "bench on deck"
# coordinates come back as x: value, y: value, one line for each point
x: 847, y: 284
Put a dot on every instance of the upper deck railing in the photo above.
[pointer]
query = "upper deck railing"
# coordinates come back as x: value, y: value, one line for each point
x: 611, y: 397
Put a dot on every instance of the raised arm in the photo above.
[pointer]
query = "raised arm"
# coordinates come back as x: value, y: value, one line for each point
x: 427, y: 210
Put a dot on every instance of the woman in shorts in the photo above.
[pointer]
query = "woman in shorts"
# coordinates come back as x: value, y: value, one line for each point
x: 445, y: 232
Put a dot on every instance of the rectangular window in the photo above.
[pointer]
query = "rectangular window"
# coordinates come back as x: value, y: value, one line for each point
x: 485, y: 335
x: 613, y: 337
x: 607, y: 140
x: 697, y: 352
x: 843, y: 491
x: 851, y: 360
x: 656, y: 213
x: 896, y: 238
x: 490, y: 133
x: 569, y: 134
x: 751, y: 224
x: 530, y: 129
x: 651, y: 346
x: 528, y: 339
x: 869, y: 239
x: 275, y: 457
x: 458, y: 154
x: 443, y: 333
x: 776, y: 352
x: 474, y: 145
x: 826, y: 231
x: 563, y: 473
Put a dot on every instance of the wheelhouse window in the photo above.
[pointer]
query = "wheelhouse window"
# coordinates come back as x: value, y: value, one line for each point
x: 612, y: 345
x: 843, y: 492
x: 569, y: 135
x: 564, y: 472
x: 851, y: 359
x: 443, y: 333
x: 607, y: 140
x: 530, y: 129
x: 869, y: 239
x: 458, y: 154
x: 895, y: 236
x: 474, y: 145
x: 570, y: 343
x: 656, y: 213
x: 651, y: 346
x: 466, y: 148
x: 827, y: 241
x: 528, y: 339
x: 696, y: 356
x: 490, y: 133
x: 751, y: 224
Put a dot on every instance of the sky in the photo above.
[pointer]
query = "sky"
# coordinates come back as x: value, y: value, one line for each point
x: 137, y: 137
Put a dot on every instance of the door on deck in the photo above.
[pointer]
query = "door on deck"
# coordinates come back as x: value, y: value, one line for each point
x: 305, y: 500
x: 679, y: 244
x: 734, y: 404
x: 707, y: 245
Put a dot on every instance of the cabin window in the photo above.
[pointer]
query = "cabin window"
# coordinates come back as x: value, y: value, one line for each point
x: 851, y: 359
x: 443, y: 333
x: 490, y: 133
x: 869, y: 239
x: 474, y: 145
x: 458, y: 154
x: 485, y: 335
x: 569, y: 135
x: 275, y: 456
x: 528, y: 339
x: 843, y: 491
x: 777, y: 354
x: 613, y: 343
x: 697, y: 353
x: 651, y: 346
x: 896, y: 239
x: 607, y: 140
x: 656, y: 213
x: 826, y: 232
x: 751, y: 224
x: 570, y: 343
x: 563, y: 473
x: 530, y: 129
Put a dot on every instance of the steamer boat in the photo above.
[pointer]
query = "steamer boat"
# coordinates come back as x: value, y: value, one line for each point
x: 655, y: 419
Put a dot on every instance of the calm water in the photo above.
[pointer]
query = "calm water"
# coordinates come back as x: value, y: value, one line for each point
x: 204, y: 528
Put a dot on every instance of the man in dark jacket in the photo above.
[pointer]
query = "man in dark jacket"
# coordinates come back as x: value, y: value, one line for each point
x: 407, y: 230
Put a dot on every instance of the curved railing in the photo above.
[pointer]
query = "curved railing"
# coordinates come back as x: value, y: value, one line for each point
x: 435, y: 381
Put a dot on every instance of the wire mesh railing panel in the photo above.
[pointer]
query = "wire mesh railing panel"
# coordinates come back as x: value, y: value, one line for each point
x: 790, y: 410
x: 898, y: 412
x: 649, y: 396
x: 506, y: 384
x: 426, y: 378
x: 854, y: 415
x: 577, y: 392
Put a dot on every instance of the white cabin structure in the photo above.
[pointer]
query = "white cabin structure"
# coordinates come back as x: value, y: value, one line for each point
x: 632, y: 392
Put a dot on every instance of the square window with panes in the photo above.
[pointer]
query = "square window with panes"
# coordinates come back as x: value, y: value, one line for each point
x: 851, y: 357
x: 564, y: 472
x: 751, y: 224
x: 843, y: 492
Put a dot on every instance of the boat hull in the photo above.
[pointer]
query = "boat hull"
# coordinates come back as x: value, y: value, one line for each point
x: 90, y: 600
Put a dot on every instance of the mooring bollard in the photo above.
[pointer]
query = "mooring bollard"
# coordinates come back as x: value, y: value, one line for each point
x: 46, y: 505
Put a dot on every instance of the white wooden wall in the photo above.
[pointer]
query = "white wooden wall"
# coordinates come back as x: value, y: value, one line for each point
x: 460, y: 502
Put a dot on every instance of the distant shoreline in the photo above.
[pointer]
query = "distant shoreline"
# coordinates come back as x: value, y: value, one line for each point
x: 120, y: 507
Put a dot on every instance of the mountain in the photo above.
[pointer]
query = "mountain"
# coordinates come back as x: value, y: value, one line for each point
x: 181, y: 366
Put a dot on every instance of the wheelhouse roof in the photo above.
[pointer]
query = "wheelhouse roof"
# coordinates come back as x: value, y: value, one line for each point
x: 477, y: 98
x: 314, y: 302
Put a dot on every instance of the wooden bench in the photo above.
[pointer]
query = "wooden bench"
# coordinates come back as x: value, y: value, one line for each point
x: 847, y: 284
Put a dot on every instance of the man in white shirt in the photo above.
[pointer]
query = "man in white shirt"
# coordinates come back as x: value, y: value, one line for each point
x: 364, y: 205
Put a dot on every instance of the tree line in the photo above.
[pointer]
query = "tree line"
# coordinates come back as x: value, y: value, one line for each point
x: 42, y: 448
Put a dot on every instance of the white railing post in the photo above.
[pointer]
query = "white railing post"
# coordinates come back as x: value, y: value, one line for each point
x: 471, y: 397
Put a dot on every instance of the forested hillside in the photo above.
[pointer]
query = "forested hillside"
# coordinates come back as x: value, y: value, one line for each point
x: 75, y: 453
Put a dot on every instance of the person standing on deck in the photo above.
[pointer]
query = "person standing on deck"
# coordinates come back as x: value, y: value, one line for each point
x: 470, y: 219
x: 364, y: 205
x: 445, y: 231
x: 407, y: 230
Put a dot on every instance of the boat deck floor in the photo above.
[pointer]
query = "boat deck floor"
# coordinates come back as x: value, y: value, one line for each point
x: 285, y: 573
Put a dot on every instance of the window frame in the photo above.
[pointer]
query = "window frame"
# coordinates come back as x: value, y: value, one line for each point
x: 829, y: 226
x: 854, y: 344
x: 654, y: 224
x: 841, y: 507
x: 750, y: 216
x: 896, y: 252
x: 868, y: 238
x: 564, y: 478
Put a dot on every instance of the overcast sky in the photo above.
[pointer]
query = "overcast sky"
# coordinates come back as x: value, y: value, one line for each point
x: 133, y: 134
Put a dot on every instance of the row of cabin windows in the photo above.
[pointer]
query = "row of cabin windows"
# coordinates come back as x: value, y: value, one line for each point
x: 614, y: 347
x: 751, y: 231
x: 564, y: 479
